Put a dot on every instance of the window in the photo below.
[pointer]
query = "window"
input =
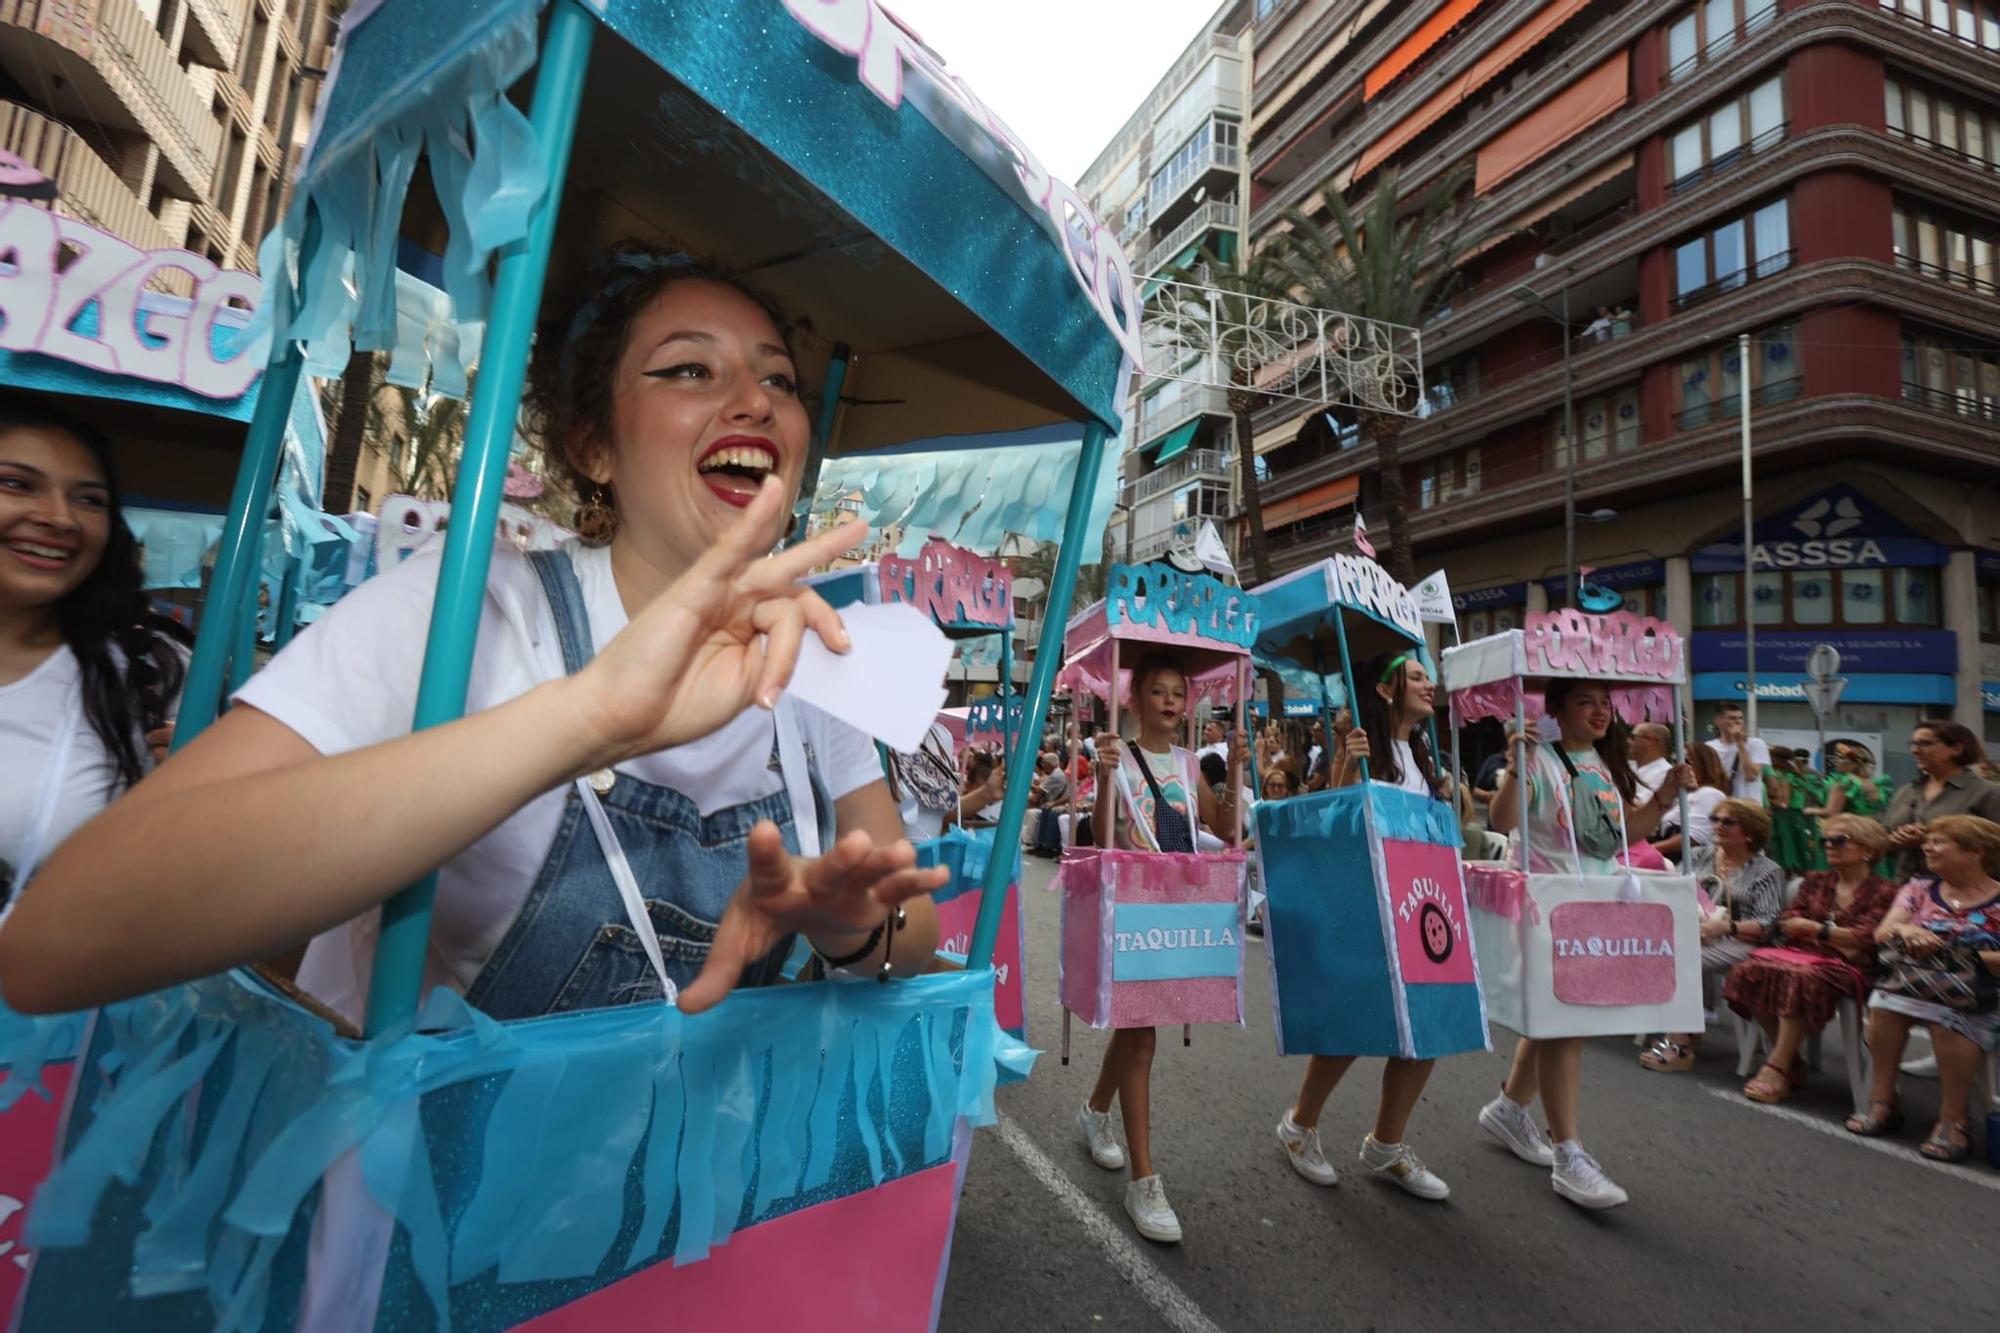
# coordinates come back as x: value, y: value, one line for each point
x: 1214, y: 144
x: 1946, y: 245
x: 1201, y: 499
x: 1712, y: 28
x: 1710, y: 383
x: 1448, y: 478
x: 1723, y: 135
x: 1973, y: 22
x: 1734, y: 253
x: 363, y: 501
x: 1941, y: 372
x: 1819, y: 598
x: 1942, y: 122
x: 1605, y: 424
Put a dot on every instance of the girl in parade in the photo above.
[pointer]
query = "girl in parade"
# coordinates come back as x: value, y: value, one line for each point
x: 1148, y: 799
x: 1391, y: 741
x: 647, y: 659
x: 89, y: 673
x: 1583, y: 805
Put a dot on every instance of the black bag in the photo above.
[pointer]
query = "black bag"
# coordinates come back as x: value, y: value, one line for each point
x: 1172, y: 830
x: 1953, y: 977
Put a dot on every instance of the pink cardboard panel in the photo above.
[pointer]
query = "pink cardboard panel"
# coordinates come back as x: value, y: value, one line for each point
x: 1096, y: 880
x: 1427, y: 907
x: 27, y: 1147
x: 1612, y: 953
x: 872, y: 1260
x: 956, y: 919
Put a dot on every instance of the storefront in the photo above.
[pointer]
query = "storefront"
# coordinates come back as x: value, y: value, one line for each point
x: 1642, y: 583
x: 1833, y: 568
x: 1494, y: 610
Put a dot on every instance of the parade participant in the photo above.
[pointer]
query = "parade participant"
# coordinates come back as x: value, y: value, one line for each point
x: 1397, y: 704
x: 632, y: 657
x: 1149, y: 796
x: 1941, y: 955
x: 1747, y: 891
x: 1852, y: 785
x: 1825, y: 954
x: 924, y: 785
x: 1579, y: 789
x: 1948, y: 757
x: 89, y: 673
x: 1788, y: 791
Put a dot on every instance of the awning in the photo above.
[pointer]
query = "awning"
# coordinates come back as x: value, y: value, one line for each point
x: 1175, y: 442
x: 1549, y: 126
x: 1279, y: 436
x: 1543, y: 207
x: 1418, y: 42
x: 1325, y: 56
x: 1330, y: 495
x: 1493, y: 63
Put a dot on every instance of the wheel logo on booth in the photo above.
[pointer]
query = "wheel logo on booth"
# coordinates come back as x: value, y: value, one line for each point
x: 1436, y: 933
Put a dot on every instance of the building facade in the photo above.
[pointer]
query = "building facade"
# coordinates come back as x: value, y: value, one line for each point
x: 1823, y: 175
x: 1170, y: 186
x: 161, y: 121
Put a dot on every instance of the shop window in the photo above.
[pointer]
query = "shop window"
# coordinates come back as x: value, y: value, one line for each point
x: 1862, y: 599
x: 1916, y: 597
x: 1715, y: 601
x: 1812, y: 599
x: 1821, y: 598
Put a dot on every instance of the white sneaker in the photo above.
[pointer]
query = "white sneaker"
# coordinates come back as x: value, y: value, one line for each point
x: 1923, y: 1066
x: 1582, y: 1181
x: 1396, y: 1162
x: 1104, y: 1149
x: 1508, y: 1121
x: 1146, y: 1204
x: 1302, y: 1148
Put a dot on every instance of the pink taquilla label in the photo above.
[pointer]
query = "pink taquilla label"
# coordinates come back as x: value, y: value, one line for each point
x: 1427, y: 904
x: 1612, y: 953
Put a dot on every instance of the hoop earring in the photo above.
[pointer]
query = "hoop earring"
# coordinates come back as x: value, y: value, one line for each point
x: 596, y: 519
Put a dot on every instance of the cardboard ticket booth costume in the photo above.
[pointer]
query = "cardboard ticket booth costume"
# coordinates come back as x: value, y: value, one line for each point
x: 1153, y: 938
x: 1566, y: 953
x: 967, y: 596
x: 231, y: 1161
x: 1366, y: 931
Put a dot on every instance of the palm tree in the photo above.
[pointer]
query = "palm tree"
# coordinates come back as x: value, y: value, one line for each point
x: 1225, y: 320
x: 350, y: 429
x: 1394, y: 263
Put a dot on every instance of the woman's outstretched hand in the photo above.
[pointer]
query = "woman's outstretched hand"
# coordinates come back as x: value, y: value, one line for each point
x: 847, y: 892
x: 724, y: 635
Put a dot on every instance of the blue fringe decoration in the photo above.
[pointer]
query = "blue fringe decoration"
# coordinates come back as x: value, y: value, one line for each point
x: 525, y: 1164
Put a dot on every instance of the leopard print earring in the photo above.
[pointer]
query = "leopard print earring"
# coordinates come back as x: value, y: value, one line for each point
x: 596, y: 518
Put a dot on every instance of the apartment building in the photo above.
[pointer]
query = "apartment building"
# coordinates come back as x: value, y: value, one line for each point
x: 161, y: 121
x: 1170, y: 185
x: 1823, y: 175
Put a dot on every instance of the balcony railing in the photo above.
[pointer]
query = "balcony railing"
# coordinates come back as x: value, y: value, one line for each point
x: 1965, y: 22
x: 1215, y: 215
x: 1766, y: 266
x: 1729, y: 405
x: 130, y: 56
x: 1165, y: 189
x: 1955, y: 276
x: 90, y: 189
x: 1966, y: 403
x: 1194, y: 463
x: 1176, y: 405
x: 1732, y: 159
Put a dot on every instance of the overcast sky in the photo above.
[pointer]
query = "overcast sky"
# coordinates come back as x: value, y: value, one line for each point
x: 1063, y: 74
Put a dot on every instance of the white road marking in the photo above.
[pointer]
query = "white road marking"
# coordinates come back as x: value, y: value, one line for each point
x: 1834, y: 1129
x: 1158, y: 1290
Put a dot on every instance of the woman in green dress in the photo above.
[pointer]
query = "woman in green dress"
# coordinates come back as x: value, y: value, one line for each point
x: 1788, y: 792
x: 1854, y: 788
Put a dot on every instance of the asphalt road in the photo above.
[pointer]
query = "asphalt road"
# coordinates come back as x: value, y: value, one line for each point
x: 1741, y: 1216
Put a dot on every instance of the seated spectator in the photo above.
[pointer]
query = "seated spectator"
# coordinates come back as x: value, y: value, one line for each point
x: 1278, y: 786
x: 985, y: 784
x: 1711, y: 790
x: 1648, y: 756
x: 1824, y: 953
x: 1746, y: 891
x: 1214, y: 739
x: 1940, y: 955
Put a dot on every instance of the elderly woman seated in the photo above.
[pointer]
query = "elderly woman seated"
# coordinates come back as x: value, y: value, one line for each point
x: 1824, y: 953
x: 1940, y: 954
x: 1745, y: 891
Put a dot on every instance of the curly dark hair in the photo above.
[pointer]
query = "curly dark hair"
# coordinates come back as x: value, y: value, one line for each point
x: 582, y: 334
x: 128, y: 655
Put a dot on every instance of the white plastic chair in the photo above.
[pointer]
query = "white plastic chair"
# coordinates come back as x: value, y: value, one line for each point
x: 1751, y: 1046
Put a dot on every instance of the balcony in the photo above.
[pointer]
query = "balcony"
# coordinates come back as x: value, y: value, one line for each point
x: 1212, y: 148
x: 116, y: 71
x: 1193, y: 463
x: 91, y: 190
x: 1176, y: 405
x: 216, y: 31
x: 1215, y: 215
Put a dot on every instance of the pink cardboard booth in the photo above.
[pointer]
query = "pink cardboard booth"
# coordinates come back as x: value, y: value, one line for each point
x: 1587, y: 955
x: 1152, y: 939
x: 27, y: 1147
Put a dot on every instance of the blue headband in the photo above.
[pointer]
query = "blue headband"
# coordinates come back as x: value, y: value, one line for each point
x: 631, y: 267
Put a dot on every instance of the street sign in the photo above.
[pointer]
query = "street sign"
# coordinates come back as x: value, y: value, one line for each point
x: 1823, y: 663
x: 1823, y: 695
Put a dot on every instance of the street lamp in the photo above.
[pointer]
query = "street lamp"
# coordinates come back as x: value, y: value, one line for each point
x: 1528, y: 295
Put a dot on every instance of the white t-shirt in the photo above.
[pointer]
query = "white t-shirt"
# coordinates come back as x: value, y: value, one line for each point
x: 350, y: 680
x: 1412, y: 779
x: 1650, y: 775
x: 32, y: 711
x: 1742, y: 785
x: 1701, y: 809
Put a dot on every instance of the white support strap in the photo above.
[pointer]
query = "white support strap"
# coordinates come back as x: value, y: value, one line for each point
x: 628, y: 887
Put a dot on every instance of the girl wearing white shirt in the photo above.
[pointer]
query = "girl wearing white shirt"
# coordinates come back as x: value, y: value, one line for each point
x: 87, y: 668
x: 613, y: 677
x: 1397, y: 700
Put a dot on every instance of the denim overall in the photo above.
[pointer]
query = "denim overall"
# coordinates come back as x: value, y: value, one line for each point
x: 572, y: 945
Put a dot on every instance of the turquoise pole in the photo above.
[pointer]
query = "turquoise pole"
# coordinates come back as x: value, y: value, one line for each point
x: 1041, y: 683
x: 829, y: 408
x: 243, y: 644
x: 1326, y: 710
x: 1006, y: 696
x: 288, y: 607
x: 482, y: 474
x: 1347, y: 674
x: 236, y: 561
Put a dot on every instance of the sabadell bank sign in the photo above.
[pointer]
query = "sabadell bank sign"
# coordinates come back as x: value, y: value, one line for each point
x: 1835, y: 529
